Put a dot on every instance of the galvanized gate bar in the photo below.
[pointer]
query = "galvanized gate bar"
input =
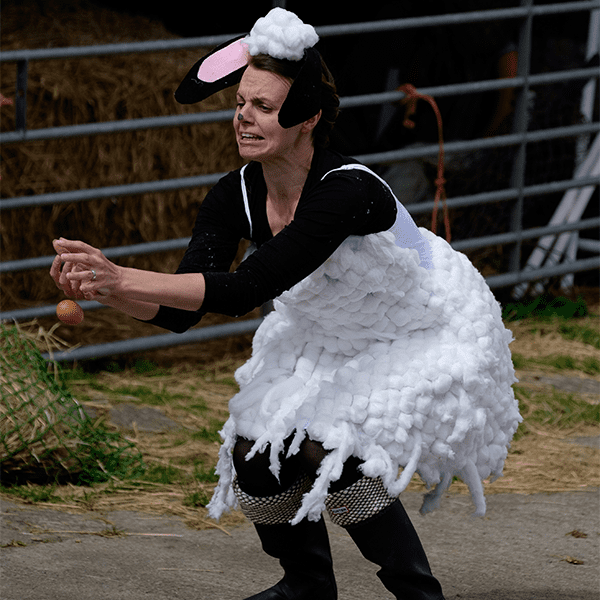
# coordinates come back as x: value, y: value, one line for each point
x: 165, y: 340
x: 106, y: 127
x: 511, y: 279
x: 208, y: 41
x: 111, y: 191
x: 42, y: 262
x: 513, y: 139
x: 528, y: 234
x: 520, y: 126
x: 505, y: 194
x: 453, y: 19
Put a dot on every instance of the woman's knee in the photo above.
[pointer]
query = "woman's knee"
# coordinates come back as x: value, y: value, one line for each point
x: 240, y: 451
x: 255, y: 476
x: 312, y: 454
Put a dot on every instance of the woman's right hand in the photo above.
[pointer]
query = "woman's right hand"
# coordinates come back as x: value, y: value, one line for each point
x: 68, y: 286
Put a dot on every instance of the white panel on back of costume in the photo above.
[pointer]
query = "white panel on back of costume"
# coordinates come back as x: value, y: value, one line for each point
x: 405, y: 230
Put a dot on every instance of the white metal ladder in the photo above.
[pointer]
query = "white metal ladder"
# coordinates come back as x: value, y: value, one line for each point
x: 551, y: 248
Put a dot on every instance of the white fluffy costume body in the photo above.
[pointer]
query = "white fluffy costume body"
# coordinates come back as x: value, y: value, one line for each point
x: 393, y: 351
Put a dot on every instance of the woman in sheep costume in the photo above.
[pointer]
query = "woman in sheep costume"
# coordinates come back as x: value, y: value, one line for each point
x: 385, y: 355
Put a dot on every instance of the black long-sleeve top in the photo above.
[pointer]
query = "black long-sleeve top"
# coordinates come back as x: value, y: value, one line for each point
x: 350, y: 202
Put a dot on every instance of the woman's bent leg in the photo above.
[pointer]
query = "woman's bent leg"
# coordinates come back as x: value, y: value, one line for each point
x: 382, y: 530
x: 303, y: 549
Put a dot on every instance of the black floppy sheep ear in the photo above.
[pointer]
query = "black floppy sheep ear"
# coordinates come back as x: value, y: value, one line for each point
x: 219, y: 69
x: 304, y: 96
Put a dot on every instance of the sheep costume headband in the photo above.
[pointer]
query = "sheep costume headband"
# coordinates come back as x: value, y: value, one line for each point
x: 281, y: 34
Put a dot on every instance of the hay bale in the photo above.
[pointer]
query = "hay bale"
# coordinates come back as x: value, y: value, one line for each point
x: 30, y: 426
x: 43, y: 429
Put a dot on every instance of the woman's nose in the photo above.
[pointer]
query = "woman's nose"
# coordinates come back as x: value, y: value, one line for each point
x: 246, y: 113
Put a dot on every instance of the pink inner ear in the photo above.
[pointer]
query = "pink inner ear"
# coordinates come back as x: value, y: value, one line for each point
x: 224, y: 62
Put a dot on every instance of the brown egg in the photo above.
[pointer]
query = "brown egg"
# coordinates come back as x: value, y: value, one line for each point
x: 69, y: 312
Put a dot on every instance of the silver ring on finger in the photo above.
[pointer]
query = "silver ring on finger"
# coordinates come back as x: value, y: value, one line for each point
x: 93, y: 275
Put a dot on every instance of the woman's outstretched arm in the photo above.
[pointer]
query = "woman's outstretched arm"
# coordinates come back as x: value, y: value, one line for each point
x: 89, y: 274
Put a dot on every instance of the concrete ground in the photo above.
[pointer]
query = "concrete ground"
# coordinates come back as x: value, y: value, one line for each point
x: 527, y: 547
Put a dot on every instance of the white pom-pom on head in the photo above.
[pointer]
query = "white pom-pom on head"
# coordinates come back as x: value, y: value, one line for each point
x: 281, y: 34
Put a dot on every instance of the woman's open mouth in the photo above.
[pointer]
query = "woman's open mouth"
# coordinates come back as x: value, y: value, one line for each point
x: 250, y: 137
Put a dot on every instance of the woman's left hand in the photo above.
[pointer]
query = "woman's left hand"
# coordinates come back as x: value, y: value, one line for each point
x: 94, y: 276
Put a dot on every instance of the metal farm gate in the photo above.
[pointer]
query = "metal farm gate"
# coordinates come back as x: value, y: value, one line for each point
x: 558, y: 239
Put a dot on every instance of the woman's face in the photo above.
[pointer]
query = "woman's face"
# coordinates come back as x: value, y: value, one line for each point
x: 259, y: 135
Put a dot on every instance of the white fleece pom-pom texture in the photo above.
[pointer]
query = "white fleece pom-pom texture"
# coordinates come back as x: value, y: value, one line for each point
x: 281, y: 34
x: 376, y: 357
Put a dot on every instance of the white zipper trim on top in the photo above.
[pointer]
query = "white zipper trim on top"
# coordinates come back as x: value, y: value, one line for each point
x: 245, y: 197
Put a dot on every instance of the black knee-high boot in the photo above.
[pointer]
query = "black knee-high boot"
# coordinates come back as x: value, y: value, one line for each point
x: 384, y: 534
x: 303, y: 550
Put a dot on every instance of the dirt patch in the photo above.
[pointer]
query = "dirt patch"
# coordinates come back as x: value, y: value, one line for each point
x: 543, y: 339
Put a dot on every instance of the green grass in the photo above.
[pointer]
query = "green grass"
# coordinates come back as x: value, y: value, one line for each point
x: 230, y: 381
x: 79, y: 376
x: 562, y: 362
x: 561, y: 314
x: 140, y: 393
x: 147, y: 395
x: 519, y: 361
x: 196, y: 499
x: 32, y: 493
x: 569, y: 330
x: 211, y: 433
x: 555, y: 409
x: 591, y: 365
x: 204, y: 475
x: 14, y: 544
x: 199, y: 405
x: 581, y: 333
x: 164, y: 474
x: 171, y: 474
x: 559, y: 362
x: 141, y: 366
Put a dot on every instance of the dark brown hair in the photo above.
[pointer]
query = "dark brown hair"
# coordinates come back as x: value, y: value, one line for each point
x: 330, y: 100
